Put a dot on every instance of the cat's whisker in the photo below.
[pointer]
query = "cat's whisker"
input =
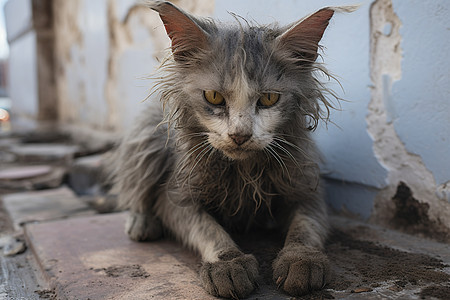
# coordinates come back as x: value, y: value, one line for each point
x: 280, y: 161
x: 186, y: 180
x: 191, y: 151
x: 291, y: 157
x: 297, y: 148
x: 295, y: 137
x: 186, y: 158
x: 199, y: 157
x: 211, y: 153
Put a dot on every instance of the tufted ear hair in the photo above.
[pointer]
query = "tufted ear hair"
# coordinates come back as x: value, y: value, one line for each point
x: 186, y: 35
x: 303, y: 37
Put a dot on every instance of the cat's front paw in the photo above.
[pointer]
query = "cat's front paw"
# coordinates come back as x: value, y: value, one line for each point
x: 300, y: 269
x: 143, y: 227
x: 235, y: 275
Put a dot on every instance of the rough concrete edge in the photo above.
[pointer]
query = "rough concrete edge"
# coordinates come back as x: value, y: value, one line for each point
x: 42, y: 275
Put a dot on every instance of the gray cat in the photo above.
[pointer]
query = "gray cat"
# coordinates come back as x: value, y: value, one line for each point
x: 230, y: 149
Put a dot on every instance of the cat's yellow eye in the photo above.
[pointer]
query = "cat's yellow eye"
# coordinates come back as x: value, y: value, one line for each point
x: 213, y: 97
x: 268, y: 99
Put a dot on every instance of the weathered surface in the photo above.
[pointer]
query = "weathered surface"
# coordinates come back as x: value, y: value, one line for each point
x: 19, y: 278
x: 43, y: 206
x: 91, y: 257
x: 401, y: 100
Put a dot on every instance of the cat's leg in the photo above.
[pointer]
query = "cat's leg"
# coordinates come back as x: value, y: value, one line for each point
x: 143, y: 226
x: 226, y: 271
x: 141, y: 190
x: 143, y: 162
x: 301, y: 266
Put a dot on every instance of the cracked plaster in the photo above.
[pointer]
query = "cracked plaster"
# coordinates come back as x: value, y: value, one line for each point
x: 383, y: 112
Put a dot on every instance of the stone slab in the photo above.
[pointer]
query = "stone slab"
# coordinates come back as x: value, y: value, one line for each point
x: 25, y: 177
x: 92, y: 258
x: 38, y: 206
x: 44, y: 152
x: 24, y: 172
x: 7, y: 142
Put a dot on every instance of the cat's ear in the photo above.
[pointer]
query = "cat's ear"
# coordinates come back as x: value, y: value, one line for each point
x: 302, y: 38
x: 186, y: 36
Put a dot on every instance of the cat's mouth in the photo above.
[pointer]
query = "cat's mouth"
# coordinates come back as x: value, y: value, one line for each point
x: 238, y: 153
x: 234, y: 151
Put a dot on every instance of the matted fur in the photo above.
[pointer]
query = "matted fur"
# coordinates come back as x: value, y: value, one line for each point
x: 175, y: 168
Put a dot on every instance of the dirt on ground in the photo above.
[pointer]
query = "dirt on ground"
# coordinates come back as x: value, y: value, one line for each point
x: 47, y: 294
x: 126, y: 270
x: 364, y: 264
x: 411, y: 216
x: 360, y: 266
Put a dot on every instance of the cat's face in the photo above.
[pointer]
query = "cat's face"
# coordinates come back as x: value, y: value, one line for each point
x: 245, y: 120
x: 242, y: 86
x: 240, y: 107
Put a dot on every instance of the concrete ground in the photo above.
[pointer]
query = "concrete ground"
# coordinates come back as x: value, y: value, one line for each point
x: 55, y: 244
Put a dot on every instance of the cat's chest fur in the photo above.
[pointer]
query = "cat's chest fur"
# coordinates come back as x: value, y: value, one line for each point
x: 239, y: 194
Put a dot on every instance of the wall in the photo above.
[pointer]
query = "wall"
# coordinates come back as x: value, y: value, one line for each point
x: 390, y: 57
x: 31, y: 78
x: 107, y: 50
x: 22, y: 60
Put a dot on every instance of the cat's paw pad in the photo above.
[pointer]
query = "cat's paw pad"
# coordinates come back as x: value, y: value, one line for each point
x: 234, y: 276
x: 299, y: 269
x: 143, y: 227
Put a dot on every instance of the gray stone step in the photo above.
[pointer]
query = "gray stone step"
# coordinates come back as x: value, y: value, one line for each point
x: 44, y: 152
x: 45, y: 205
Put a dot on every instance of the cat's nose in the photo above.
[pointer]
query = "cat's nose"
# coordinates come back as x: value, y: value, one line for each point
x: 240, y: 139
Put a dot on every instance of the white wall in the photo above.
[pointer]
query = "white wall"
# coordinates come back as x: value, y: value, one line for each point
x: 23, y: 80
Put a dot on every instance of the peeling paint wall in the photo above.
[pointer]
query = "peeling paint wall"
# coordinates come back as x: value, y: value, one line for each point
x: 408, y: 114
x: 106, y: 51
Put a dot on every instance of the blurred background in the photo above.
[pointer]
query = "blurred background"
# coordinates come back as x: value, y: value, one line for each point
x: 5, y: 103
x: 82, y: 67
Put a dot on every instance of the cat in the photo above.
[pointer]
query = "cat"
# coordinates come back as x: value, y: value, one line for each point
x: 230, y: 149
